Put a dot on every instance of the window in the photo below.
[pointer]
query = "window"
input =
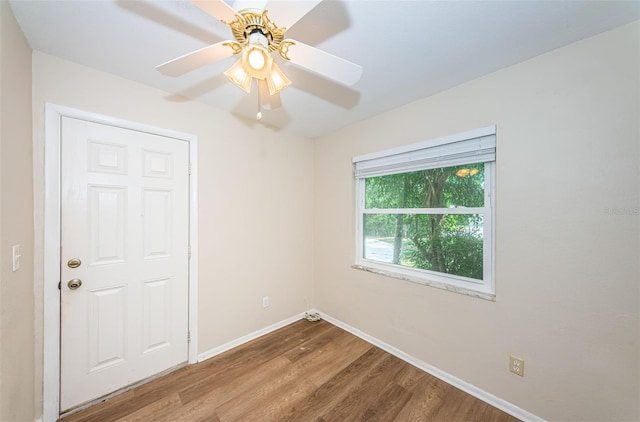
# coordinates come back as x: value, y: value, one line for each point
x: 424, y: 212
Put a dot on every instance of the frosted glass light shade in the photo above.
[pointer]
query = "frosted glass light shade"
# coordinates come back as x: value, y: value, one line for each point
x: 277, y: 80
x: 245, y: 69
x: 238, y: 76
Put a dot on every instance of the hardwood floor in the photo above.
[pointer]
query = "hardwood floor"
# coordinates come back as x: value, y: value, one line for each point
x: 306, y: 371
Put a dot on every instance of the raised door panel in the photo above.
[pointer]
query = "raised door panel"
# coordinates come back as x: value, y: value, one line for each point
x: 107, y: 224
x: 156, y: 315
x: 107, y: 322
x: 157, y: 206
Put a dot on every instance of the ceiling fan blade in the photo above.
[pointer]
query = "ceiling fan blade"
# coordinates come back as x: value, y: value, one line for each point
x: 217, y: 8
x: 249, y: 4
x: 195, y: 59
x: 267, y: 101
x: 325, y: 64
x: 286, y: 13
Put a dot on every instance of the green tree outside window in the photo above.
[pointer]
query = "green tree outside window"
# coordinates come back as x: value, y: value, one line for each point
x: 418, y: 219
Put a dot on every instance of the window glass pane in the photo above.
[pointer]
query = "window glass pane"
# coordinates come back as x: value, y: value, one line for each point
x: 458, y: 186
x: 446, y: 243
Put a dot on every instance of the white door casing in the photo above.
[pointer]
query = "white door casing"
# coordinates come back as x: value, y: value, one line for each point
x: 156, y: 285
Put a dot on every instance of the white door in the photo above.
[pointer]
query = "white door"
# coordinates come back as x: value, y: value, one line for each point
x: 125, y: 217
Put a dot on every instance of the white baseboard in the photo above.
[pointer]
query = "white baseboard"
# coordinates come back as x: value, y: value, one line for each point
x: 245, y: 339
x: 486, y: 397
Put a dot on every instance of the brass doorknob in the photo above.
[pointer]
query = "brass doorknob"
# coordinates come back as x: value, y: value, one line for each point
x: 74, y: 284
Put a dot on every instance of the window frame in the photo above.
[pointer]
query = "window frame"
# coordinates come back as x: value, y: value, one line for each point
x: 484, y: 288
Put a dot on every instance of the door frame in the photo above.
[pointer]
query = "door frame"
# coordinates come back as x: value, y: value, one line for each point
x: 51, y: 241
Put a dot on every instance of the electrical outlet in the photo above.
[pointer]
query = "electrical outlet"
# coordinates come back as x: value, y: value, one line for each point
x: 265, y: 302
x: 516, y: 365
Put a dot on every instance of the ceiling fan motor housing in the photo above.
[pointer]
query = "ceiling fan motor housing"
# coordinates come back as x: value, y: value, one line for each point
x: 253, y: 26
x: 258, y: 37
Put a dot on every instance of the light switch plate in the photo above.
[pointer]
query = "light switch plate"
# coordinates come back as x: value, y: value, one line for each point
x: 16, y: 257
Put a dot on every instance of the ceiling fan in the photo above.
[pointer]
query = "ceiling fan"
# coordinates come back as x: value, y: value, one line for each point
x: 256, y: 38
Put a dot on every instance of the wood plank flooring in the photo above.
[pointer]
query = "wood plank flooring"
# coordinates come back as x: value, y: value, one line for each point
x: 306, y: 371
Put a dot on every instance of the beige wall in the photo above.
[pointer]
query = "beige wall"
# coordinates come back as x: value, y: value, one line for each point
x: 16, y: 223
x: 255, y: 199
x: 567, y: 227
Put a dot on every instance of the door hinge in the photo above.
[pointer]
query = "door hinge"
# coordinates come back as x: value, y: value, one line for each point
x: 189, y: 168
x: 189, y: 251
x: 189, y: 336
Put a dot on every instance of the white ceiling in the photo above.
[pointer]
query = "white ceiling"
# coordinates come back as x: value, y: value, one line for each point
x: 409, y: 49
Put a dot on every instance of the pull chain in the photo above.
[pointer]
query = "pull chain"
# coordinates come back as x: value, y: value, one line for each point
x: 259, y: 114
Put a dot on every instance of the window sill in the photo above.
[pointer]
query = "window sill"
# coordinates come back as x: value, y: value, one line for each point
x: 427, y: 282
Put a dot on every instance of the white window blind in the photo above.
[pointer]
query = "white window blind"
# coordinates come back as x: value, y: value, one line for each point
x: 476, y: 146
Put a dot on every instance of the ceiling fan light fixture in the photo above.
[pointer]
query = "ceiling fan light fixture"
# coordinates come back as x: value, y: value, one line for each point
x: 239, y: 76
x: 277, y: 80
x: 464, y: 172
x: 256, y: 39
